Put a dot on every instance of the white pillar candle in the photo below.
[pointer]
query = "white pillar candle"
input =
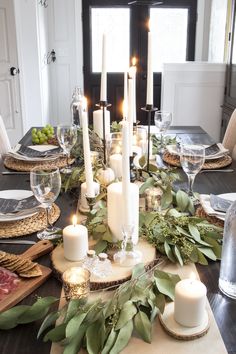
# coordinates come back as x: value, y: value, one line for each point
x: 83, y: 191
x: 115, y: 217
x: 98, y: 122
x: 130, y: 114
x: 149, y: 100
x: 75, y: 241
x: 103, y: 92
x: 115, y: 162
x: 87, y: 156
x: 190, y: 302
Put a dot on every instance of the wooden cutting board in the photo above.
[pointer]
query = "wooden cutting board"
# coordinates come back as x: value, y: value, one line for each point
x: 28, y: 285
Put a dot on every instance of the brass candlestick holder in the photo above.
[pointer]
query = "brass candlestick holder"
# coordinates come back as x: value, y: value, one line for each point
x: 149, y: 109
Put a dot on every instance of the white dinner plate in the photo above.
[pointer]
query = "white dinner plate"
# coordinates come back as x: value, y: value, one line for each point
x: 172, y: 149
x: 17, y: 194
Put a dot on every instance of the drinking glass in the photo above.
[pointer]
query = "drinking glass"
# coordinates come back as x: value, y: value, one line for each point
x: 46, y: 187
x: 67, y: 137
x: 127, y: 256
x: 162, y: 121
x: 192, y: 158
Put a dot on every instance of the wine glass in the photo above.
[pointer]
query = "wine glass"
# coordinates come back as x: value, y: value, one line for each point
x: 46, y: 187
x: 127, y: 256
x: 162, y: 121
x: 192, y: 158
x: 67, y: 137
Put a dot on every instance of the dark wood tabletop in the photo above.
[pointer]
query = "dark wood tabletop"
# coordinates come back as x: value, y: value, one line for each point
x: 23, y: 338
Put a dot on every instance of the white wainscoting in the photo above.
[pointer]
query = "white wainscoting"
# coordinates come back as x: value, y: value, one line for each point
x: 194, y: 93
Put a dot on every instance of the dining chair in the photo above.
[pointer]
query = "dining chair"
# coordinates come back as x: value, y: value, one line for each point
x: 229, y: 140
x: 5, y: 145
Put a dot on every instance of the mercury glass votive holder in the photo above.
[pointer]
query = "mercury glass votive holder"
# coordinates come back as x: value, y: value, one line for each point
x: 76, y: 283
x: 153, y: 199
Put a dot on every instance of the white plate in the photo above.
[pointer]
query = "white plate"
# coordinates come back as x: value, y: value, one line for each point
x: 205, y: 201
x: 17, y: 194
x: 223, y: 151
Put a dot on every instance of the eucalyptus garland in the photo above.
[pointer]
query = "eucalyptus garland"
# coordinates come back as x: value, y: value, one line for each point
x: 100, y: 326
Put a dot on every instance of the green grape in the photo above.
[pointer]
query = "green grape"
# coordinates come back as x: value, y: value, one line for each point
x: 34, y: 130
x: 36, y: 141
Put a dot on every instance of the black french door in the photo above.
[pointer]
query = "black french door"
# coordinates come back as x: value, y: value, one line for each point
x: 139, y: 13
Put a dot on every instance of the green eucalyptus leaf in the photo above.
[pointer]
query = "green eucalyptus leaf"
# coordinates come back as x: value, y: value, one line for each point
x: 194, y: 232
x: 208, y: 252
x: 56, y: 334
x: 74, y: 345
x: 169, y: 252
x: 182, y: 200
x: 138, y: 271
x: 126, y: 314
x: 166, y: 287
x: 93, y: 338
x: 194, y: 255
x: 147, y: 184
x: 178, y: 255
x: 143, y: 326
x: 216, y: 248
x: 123, y: 338
x: 152, y: 168
x: 9, y: 318
x: 142, y: 161
x: 191, y: 207
x: 110, y: 341
x: 111, y: 308
x: 201, y: 258
x: 74, y: 324
x: 38, y: 310
x: 107, y: 236
x: 160, y: 302
x: 101, y: 228
x: 166, y: 198
x: 100, y: 246
x: 49, y: 320
x: 73, y: 308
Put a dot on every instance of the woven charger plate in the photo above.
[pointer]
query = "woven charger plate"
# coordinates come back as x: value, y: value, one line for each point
x: 174, y: 160
x: 29, y: 225
x: 212, y: 219
x: 26, y: 166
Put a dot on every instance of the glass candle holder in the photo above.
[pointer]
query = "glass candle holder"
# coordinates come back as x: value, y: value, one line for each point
x: 140, y: 140
x: 153, y: 199
x: 76, y: 281
x: 94, y: 157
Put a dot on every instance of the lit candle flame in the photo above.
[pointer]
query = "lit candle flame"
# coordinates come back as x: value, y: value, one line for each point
x: 149, y: 25
x: 74, y: 220
x: 134, y: 61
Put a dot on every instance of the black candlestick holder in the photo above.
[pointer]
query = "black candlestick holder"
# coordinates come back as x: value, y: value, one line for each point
x: 91, y: 201
x: 149, y: 109
x: 103, y: 105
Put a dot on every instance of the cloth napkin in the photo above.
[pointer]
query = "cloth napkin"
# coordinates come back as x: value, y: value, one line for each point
x: 5, y: 145
x: 27, y: 151
x: 14, y: 206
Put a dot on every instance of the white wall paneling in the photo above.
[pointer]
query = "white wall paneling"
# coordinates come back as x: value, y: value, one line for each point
x: 194, y: 93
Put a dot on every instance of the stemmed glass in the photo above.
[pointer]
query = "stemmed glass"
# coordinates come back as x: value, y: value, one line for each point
x: 127, y: 256
x: 192, y: 158
x: 162, y: 121
x: 67, y: 137
x: 46, y: 187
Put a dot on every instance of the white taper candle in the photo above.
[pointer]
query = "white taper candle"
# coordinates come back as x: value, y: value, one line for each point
x: 149, y: 100
x: 103, y: 92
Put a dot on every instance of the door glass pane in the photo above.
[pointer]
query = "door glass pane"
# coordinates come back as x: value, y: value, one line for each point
x: 115, y: 23
x: 169, y: 33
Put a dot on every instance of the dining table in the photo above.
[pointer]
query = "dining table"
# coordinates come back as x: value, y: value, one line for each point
x: 23, y: 338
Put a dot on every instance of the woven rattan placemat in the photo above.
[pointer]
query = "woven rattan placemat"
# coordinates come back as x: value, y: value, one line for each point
x: 212, y: 219
x: 29, y: 225
x: 26, y: 166
x: 174, y: 160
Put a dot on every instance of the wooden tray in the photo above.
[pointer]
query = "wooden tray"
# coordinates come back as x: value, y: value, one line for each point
x: 27, y: 286
x: 119, y: 274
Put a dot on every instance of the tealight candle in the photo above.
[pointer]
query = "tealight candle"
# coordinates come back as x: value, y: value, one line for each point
x: 76, y: 283
x: 75, y: 241
x: 190, y: 302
